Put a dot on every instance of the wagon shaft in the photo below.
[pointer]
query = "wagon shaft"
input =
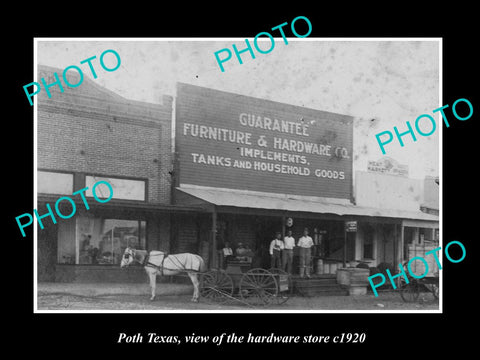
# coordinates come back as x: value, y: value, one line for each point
x: 216, y: 285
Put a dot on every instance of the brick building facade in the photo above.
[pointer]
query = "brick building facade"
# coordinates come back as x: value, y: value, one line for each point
x: 86, y: 134
x: 92, y: 130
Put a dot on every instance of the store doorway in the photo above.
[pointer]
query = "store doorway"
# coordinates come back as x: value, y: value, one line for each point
x: 266, y: 227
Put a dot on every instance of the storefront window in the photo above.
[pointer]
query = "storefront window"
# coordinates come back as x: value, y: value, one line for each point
x: 122, y: 188
x: 99, y: 241
x: 49, y: 182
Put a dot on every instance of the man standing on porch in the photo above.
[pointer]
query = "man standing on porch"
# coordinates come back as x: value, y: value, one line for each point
x: 305, y: 243
x: 287, y: 259
x: 276, y: 247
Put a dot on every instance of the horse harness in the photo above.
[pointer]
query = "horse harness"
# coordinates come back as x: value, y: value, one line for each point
x: 161, y: 267
x: 146, y: 262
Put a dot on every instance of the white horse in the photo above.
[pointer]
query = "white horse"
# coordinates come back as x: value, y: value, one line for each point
x: 160, y: 263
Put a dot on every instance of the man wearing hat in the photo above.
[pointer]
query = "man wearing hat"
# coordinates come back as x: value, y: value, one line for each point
x: 305, y: 243
x: 276, y: 247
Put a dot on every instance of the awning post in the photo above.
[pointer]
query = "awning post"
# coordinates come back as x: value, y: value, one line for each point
x: 214, y: 239
x: 400, y: 245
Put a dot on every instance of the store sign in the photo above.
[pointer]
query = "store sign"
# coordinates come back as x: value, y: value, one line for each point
x: 350, y: 226
x: 389, y: 166
x: 231, y: 141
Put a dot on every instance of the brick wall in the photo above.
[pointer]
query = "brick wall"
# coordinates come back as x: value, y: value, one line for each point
x: 158, y: 233
x: 89, y: 129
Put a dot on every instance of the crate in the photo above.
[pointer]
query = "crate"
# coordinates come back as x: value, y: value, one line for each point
x: 417, y: 267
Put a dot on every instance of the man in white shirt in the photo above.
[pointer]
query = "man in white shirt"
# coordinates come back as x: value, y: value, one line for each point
x: 276, y: 247
x: 287, y: 259
x: 305, y: 243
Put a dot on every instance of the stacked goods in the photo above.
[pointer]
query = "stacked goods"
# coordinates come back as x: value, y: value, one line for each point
x: 422, y: 260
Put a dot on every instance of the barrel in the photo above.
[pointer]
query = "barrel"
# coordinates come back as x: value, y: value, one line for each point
x: 326, y: 268
x: 320, y: 267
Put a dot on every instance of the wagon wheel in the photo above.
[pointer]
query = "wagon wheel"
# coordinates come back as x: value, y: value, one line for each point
x: 216, y: 285
x: 258, y: 287
x: 285, y: 286
x: 410, y: 292
x: 433, y: 287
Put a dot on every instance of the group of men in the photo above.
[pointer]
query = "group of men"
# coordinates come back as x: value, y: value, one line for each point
x: 281, y: 252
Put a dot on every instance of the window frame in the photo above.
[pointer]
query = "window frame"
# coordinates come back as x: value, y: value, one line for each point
x: 120, y: 177
x: 77, y: 241
x: 56, y: 171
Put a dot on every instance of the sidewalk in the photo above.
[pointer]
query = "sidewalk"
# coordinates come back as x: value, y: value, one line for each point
x: 105, y: 289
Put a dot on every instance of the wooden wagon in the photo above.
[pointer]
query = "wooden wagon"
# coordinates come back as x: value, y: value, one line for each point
x: 429, y: 280
x: 251, y: 286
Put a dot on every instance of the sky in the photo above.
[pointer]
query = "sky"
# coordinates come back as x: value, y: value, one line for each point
x: 380, y: 83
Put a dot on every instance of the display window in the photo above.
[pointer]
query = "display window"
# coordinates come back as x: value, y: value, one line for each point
x: 100, y: 241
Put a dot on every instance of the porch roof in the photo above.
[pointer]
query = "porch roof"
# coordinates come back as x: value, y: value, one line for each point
x: 283, y: 202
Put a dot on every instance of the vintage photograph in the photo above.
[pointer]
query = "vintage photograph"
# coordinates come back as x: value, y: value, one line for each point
x: 169, y: 181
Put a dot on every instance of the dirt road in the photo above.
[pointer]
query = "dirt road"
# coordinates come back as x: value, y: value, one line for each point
x: 385, y: 301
